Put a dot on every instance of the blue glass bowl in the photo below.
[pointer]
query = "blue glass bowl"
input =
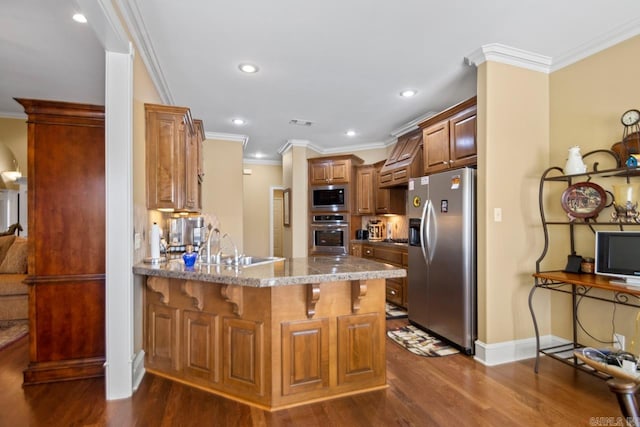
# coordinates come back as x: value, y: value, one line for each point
x: 190, y: 258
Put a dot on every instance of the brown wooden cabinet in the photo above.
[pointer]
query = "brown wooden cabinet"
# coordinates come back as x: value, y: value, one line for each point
x: 332, y: 170
x: 396, y: 288
x: 449, y: 138
x: 272, y: 347
x: 356, y: 249
x: 173, y: 159
x: 404, y: 162
x: 371, y: 198
x: 366, y: 185
x: 388, y: 200
x: 66, y: 249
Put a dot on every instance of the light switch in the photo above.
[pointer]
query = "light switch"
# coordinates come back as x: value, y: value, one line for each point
x: 136, y: 240
x: 497, y: 214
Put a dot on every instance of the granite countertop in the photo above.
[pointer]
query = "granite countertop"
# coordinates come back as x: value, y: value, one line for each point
x: 289, y: 271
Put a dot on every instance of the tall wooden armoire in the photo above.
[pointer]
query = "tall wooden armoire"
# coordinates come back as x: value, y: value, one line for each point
x: 66, y: 268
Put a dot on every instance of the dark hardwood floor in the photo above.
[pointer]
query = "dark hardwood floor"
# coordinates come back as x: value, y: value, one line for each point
x: 445, y: 391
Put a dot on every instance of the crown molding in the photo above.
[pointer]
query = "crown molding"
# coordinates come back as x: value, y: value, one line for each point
x: 412, y: 125
x: 233, y: 137
x: 497, y: 52
x: 354, y: 148
x: 298, y: 143
x: 133, y: 19
x: 604, y: 41
x: 104, y: 20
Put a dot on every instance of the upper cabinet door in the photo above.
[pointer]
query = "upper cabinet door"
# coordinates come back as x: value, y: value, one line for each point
x: 327, y: 172
x: 436, y: 147
x: 450, y: 138
x: 463, y: 146
x: 173, y: 157
x: 365, y: 194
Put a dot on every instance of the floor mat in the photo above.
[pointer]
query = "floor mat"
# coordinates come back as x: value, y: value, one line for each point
x: 12, y: 331
x: 419, y: 342
x: 394, y: 312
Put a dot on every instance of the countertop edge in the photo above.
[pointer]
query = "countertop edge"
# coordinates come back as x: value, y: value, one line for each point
x: 358, y: 269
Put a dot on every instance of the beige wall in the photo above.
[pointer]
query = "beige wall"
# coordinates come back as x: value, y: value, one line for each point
x: 13, y: 134
x: 222, y: 188
x: 257, y: 189
x: 512, y: 143
x: 587, y: 100
x: 143, y: 92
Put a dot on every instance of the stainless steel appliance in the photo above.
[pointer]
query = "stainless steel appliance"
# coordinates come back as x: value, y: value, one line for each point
x: 329, y: 198
x: 183, y: 231
x: 329, y: 234
x: 442, y: 256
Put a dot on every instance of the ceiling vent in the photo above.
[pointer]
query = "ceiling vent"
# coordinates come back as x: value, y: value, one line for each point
x: 299, y: 122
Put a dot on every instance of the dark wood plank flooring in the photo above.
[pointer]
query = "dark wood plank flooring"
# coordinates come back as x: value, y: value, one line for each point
x: 445, y: 391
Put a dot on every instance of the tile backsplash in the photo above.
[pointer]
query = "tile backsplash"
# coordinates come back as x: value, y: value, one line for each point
x: 398, y: 223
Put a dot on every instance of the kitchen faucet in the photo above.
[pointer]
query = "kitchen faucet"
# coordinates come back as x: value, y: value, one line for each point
x: 212, y: 230
x: 236, y: 256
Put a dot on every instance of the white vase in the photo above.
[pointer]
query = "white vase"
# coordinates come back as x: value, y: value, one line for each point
x: 574, y: 163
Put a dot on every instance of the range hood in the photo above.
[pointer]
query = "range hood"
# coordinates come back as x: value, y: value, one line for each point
x: 404, y: 162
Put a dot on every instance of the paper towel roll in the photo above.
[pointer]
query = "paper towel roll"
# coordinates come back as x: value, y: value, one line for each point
x: 155, y: 241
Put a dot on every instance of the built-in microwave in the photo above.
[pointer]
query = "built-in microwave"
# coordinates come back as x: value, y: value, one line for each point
x: 329, y: 198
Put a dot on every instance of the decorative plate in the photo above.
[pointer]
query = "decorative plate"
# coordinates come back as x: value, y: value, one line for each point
x: 583, y: 200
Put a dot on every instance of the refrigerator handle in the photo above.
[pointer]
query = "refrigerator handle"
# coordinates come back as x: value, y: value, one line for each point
x: 431, y: 237
x: 423, y: 237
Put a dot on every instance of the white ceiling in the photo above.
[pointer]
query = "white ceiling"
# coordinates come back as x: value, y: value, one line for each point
x: 338, y: 63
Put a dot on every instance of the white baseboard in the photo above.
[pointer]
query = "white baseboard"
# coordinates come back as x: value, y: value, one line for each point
x: 511, y: 351
x: 137, y: 371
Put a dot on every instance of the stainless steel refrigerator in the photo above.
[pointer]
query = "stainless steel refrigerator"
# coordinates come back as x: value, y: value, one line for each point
x: 442, y: 256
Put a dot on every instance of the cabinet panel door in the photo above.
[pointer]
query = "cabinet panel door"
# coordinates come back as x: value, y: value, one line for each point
x: 319, y: 173
x: 365, y: 179
x: 305, y: 356
x: 360, y: 348
x: 356, y: 250
x: 436, y: 147
x: 162, y: 339
x: 244, y: 355
x: 192, y: 201
x: 201, y: 345
x: 339, y: 172
x: 165, y: 146
x: 463, y: 138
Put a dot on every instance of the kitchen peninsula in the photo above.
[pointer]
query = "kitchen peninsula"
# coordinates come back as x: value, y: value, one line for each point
x: 273, y: 335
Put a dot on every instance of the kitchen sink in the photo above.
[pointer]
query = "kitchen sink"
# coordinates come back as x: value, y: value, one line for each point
x: 248, y: 261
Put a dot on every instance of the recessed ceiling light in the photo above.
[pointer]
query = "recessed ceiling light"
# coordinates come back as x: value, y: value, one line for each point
x: 238, y: 121
x: 78, y: 17
x: 248, y: 68
x: 408, y: 93
x: 351, y: 132
x: 259, y: 155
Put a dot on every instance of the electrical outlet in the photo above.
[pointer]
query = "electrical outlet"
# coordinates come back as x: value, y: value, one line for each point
x: 618, y: 341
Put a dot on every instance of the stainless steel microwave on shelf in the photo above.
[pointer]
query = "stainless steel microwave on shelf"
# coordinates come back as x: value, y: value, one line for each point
x: 329, y: 198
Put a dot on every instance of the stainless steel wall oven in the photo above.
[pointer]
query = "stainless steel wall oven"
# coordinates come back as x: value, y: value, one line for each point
x: 329, y: 234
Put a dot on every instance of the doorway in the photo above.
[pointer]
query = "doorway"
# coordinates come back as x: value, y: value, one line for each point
x: 277, y: 228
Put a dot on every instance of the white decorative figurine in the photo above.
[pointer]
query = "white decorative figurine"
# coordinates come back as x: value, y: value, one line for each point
x: 574, y: 164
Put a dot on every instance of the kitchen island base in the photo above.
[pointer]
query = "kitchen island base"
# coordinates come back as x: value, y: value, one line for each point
x: 272, y: 347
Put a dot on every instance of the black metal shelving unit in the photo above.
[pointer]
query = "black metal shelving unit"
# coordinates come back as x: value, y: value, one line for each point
x: 575, y: 285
